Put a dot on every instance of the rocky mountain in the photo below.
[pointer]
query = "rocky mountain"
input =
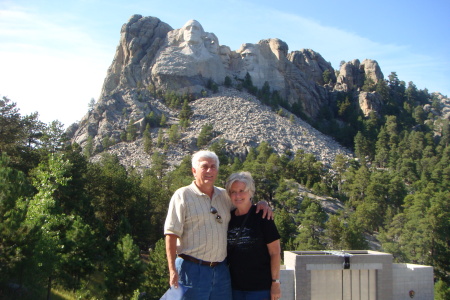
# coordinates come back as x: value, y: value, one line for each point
x: 152, y: 58
x: 237, y: 118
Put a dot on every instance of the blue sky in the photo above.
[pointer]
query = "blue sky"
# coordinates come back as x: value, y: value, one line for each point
x: 54, y: 54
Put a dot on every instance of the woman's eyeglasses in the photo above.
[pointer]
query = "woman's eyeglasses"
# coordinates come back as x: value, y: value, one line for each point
x: 213, y: 210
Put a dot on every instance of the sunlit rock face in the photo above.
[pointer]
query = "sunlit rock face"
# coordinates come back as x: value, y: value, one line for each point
x: 187, y: 59
x: 353, y: 74
x: 151, y: 54
x: 153, y: 57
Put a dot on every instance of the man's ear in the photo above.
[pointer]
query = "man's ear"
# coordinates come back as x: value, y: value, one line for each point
x: 193, y: 171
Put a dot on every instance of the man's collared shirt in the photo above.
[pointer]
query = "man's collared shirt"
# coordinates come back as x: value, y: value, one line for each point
x: 189, y: 217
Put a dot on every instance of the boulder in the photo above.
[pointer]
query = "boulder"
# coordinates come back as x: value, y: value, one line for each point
x: 369, y: 102
x: 353, y: 74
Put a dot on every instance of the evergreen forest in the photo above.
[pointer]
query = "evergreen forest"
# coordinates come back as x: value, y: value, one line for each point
x: 74, y: 229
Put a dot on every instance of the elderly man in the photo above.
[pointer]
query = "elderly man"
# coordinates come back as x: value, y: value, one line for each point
x: 196, y: 229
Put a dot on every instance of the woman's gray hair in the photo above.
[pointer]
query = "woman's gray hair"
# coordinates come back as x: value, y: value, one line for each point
x: 244, y: 177
x: 204, y: 154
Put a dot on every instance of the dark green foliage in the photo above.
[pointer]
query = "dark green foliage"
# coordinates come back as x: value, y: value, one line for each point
x: 14, y: 186
x: 287, y: 229
x: 88, y: 150
x: 305, y: 168
x: 185, y: 114
x: 227, y: 82
x: 163, y: 121
x: 147, y: 137
x: 157, y: 273
x: 441, y: 290
x: 125, y: 270
x: 310, y: 235
x: 369, y: 85
x: 326, y: 76
x: 174, y: 134
x: 160, y: 138
x: 211, y: 85
x: 96, y: 217
x: 19, y: 135
x: 248, y: 84
x: 205, y: 135
x: 153, y: 120
x: 111, y: 191
x: 106, y: 142
x: 131, y: 130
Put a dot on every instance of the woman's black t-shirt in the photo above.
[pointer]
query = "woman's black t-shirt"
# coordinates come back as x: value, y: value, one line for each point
x: 249, y: 258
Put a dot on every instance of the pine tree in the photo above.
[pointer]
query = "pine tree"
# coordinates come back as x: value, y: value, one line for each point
x: 131, y: 131
x: 106, y: 142
x: 14, y: 188
x: 160, y: 139
x: 333, y: 232
x: 125, y: 270
x: 326, y: 76
x: 287, y: 229
x: 310, y: 236
x: 185, y: 114
x: 174, y: 134
x: 163, y: 121
x: 89, y: 147
x: 147, y: 136
x: 205, y: 135
x: 157, y: 274
x: 227, y: 82
x: 46, y: 220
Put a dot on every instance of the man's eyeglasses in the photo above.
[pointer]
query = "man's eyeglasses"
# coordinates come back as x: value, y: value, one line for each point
x: 213, y: 210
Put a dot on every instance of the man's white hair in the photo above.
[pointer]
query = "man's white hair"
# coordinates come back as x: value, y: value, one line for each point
x: 204, y: 154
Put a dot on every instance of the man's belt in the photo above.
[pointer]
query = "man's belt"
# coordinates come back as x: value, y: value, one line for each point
x: 211, y: 264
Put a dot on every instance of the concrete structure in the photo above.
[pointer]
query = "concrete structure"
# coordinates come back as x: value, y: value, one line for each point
x: 412, y: 279
x: 352, y: 275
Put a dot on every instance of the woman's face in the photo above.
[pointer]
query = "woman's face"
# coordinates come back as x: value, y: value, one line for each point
x: 239, y: 194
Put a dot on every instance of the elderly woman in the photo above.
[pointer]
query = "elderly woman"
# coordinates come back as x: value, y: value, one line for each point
x: 253, y: 245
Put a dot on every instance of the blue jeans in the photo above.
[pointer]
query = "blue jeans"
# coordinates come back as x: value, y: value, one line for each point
x: 204, y: 282
x: 251, y: 295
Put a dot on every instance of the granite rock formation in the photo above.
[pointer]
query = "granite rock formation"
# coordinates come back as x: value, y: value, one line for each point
x: 237, y: 118
x: 152, y: 54
x: 153, y: 57
x: 353, y: 74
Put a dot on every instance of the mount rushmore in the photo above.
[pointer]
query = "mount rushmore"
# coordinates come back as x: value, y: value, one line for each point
x: 152, y: 56
x: 151, y: 53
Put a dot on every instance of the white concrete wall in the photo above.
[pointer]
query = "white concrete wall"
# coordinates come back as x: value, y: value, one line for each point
x: 307, y: 275
x: 287, y: 278
x: 416, y: 278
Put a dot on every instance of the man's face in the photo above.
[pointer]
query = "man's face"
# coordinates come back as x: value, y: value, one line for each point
x: 192, y: 33
x: 206, y: 172
x: 249, y: 58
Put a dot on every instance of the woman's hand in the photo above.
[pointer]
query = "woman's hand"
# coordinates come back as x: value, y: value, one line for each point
x: 275, y: 291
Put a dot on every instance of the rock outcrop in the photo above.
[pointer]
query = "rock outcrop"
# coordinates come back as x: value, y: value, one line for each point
x: 140, y: 39
x: 153, y: 57
x: 353, y: 74
x: 369, y: 102
x: 152, y: 54
x: 312, y: 64
x: 237, y: 118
